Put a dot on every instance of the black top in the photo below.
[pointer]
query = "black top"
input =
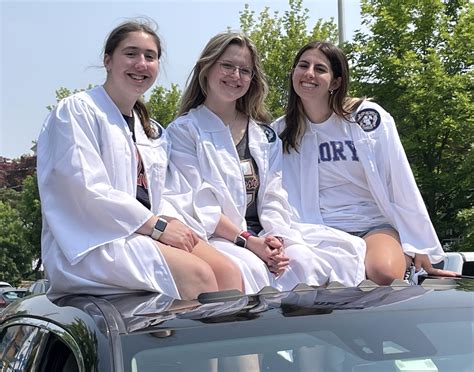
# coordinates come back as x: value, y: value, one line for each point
x: 142, y: 185
x: 252, y: 182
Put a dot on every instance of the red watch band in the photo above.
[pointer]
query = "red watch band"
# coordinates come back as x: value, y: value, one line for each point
x: 245, y: 234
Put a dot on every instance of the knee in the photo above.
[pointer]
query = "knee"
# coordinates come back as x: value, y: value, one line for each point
x: 202, y: 279
x: 228, y: 275
x: 384, y: 274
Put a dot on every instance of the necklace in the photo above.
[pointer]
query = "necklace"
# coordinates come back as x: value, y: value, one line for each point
x: 237, y: 128
x: 230, y: 123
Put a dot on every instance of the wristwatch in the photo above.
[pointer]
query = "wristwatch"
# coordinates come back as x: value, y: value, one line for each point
x: 159, y: 228
x: 241, y: 238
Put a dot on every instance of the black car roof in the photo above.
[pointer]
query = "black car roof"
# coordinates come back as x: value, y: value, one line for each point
x: 217, y: 317
x: 137, y: 312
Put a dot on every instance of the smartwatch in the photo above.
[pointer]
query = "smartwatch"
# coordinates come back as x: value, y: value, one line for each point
x: 159, y: 228
x: 241, y: 238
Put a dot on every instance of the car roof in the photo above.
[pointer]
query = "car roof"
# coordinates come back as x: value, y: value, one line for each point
x: 144, y: 311
x: 156, y: 327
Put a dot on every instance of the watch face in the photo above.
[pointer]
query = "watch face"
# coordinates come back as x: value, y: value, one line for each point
x: 161, y: 224
x: 240, y: 241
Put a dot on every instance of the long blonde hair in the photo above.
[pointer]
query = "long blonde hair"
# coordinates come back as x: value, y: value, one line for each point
x: 252, y: 103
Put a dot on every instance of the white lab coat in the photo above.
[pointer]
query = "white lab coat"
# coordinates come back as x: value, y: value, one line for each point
x: 87, y: 177
x: 389, y: 177
x: 204, y: 152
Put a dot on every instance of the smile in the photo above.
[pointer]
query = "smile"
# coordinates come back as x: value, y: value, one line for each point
x: 138, y: 77
x: 308, y: 85
x: 232, y: 85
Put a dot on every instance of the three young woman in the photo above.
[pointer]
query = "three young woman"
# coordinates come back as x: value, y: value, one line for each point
x: 110, y: 213
x: 102, y: 175
x: 344, y: 166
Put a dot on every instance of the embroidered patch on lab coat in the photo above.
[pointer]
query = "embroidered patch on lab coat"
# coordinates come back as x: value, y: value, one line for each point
x: 368, y: 119
x: 157, y: 131
x: 269, y: 132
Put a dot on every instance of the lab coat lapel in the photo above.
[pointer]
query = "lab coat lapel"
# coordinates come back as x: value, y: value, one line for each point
x: 154, y: 154
x: 117, y: 147
x: 364, y: 147
x: 309, y: 176
x: 221, y: 148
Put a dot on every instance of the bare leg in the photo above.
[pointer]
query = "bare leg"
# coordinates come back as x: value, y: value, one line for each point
x: 227, y: 274
x: 191, y: 274
x: 384, y: 260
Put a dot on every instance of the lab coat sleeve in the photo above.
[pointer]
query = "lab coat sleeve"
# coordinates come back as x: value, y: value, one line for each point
x: 79, y: 204
x: 177, y: 200
x: 185, y: 142
x: 411, y: 217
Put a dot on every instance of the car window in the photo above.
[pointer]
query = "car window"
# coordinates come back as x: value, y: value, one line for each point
x: 19, y: 347
x: 30, y: 348
x: 11, y: 295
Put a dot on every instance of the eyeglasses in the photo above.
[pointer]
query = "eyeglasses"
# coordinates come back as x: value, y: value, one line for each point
x: 228, y: 68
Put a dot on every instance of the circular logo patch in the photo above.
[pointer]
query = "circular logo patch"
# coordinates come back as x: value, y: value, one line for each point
x: 157, y: 131
x: 368, y: 119
x: 269, y: 132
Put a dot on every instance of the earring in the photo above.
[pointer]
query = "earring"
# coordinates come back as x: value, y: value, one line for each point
x: 331, y: 91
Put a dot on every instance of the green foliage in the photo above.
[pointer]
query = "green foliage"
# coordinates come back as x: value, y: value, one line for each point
x: 278, y: 38
x: 163, y: 104
x: 416, y: 61
x: 63, y: 92
x: 29, y: 209
x: 15, y: 258
x: 20, y: 231
x: 466, y: 219
x: 10, y: 196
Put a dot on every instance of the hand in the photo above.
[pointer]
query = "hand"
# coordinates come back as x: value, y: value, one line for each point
x: 178, y: 235
x: 274, y: 258
x: 274, y: 242
x: 422, y: 261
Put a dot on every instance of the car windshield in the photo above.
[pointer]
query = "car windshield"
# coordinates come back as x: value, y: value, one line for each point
x: 290, y: 337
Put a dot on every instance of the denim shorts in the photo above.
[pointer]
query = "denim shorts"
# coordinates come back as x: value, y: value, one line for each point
x: 383, y: 226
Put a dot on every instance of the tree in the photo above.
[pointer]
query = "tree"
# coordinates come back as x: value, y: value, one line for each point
x: 278, y: 39
x: 29, y: 209
x: 163, y: 104
x: 417, y: 61
x: 15, y: 257
x: 14, y: 171
x: 466, y: 219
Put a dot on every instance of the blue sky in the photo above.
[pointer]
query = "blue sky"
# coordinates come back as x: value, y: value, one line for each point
x: 46, y: 45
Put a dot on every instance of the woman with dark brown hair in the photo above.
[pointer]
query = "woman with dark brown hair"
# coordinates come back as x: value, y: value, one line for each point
x: 102, y: 172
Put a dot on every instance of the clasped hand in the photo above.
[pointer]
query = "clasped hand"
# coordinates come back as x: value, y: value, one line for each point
x: 269, y: 250
x: 178, y: 235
